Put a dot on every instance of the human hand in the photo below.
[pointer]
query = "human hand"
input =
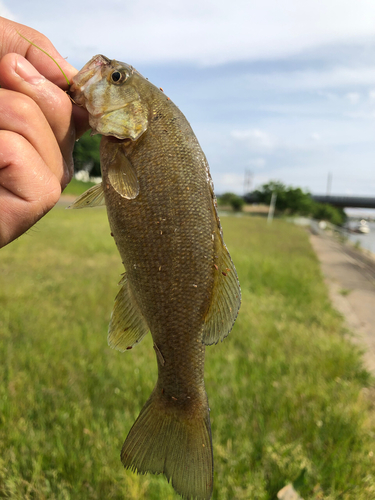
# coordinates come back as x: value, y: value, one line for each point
x: 38, y: 127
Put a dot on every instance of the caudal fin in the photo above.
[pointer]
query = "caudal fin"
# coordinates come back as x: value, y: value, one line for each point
x: 173, y: 443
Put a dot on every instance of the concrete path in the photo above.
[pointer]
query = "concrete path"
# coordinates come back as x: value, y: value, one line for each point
x: 350, y: 277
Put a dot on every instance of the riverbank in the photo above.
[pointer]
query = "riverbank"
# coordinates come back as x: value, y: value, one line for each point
x: 350, y: 276
x: 365, y: 241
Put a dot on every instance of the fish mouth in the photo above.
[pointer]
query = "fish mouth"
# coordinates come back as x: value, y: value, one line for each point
x: 90, y: 73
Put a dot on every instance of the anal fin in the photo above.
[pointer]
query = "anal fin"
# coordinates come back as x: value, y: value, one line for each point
x: 225, y: 301
x: 128, y: 325
x: 93, y: 197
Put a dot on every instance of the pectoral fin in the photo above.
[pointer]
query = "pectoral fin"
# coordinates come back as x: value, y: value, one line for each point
x: 121, y: 174
x: 93, y: 197
x: 226, y: 300
x: 127, y: 326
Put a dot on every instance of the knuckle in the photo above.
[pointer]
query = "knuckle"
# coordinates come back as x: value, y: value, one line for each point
x: 53, y: 195
x: 25, y: 107
x: 11, y: 146
x: 17, y: 105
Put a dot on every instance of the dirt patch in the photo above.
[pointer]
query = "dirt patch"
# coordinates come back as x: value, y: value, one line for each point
x: 67, y: 199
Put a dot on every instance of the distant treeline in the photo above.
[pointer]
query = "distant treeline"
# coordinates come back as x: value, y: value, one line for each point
x: 290, y: 200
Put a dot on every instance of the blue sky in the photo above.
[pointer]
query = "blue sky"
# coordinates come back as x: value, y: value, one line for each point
x: 282, y: 88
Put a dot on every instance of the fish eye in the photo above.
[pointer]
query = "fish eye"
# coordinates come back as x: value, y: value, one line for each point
x: 116, y: 77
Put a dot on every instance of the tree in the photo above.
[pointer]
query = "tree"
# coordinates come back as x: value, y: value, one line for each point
x: 296, y: 201
x: 323, y: 211
x: 86, y: 154
x: 265, y: 192
x: 235, y: 201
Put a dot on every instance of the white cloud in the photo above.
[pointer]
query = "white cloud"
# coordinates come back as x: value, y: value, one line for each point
x: 353, y: 97
x: 257, y: 163
x: 310, y: 80
x: 229, y: 182
x: 315, y: 136
x: 200, y: 31
x: 255, y: 139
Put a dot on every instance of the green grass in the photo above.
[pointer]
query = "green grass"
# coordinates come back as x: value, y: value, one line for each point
x: 286, y: 389
x: 76, y: 187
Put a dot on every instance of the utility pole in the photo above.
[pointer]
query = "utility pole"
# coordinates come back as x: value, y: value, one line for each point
x: 247, y: 181
x: 271, y: 209
x: 329, y: 183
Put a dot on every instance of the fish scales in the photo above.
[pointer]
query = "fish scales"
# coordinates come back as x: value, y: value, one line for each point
x: 161, y: 209
x: 169, y: 240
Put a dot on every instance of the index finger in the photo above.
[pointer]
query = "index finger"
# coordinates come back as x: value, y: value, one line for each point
x: 11, y: 41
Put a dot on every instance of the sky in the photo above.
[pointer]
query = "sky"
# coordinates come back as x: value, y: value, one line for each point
x: 274, y: 89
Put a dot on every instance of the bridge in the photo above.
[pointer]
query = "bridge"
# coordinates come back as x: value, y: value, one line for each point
x: 346, y: 201
x: 336, y: 201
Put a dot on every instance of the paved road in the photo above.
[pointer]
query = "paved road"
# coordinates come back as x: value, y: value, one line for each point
x: 351, y: 282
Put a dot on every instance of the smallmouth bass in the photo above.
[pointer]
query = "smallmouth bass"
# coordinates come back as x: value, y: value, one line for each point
x: 180, y: 282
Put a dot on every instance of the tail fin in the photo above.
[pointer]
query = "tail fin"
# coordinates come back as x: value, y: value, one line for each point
x: 173, y: 443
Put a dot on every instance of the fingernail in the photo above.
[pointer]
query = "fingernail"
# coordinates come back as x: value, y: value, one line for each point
x: 28, y: 73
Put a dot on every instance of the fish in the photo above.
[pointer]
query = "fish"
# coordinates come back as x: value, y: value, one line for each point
x: 180, y: 283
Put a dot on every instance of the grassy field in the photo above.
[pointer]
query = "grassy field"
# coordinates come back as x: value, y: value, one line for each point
x: 290, y: 400
x: 76, y: 187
